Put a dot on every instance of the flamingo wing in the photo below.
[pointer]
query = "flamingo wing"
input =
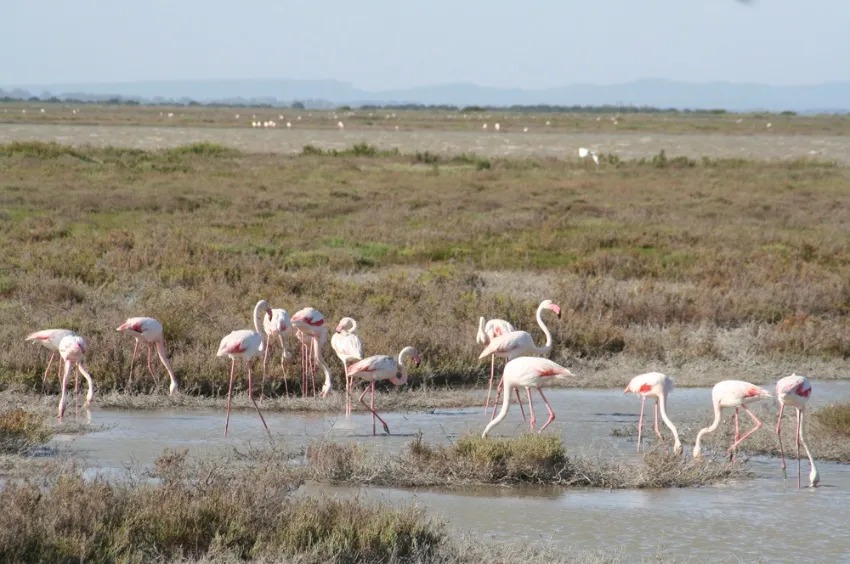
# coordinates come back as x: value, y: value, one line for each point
x: 506, y: 344
x: 373, y: 367
x: 238, y: 342
x: 347, y: 344
x: 50, y: 338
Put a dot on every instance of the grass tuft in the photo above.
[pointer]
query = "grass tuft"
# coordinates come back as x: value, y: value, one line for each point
x: 21, y: 431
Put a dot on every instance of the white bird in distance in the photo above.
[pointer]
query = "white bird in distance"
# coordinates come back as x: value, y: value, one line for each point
x: 583, y: 153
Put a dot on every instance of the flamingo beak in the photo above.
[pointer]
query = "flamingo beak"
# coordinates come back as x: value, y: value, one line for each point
x: 269, y: 313
x: 557, y: 310
x: 626, y: 391
x: 417, y: 360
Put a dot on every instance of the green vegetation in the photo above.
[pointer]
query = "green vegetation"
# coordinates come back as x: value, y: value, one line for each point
x: 835, y: 417
x: 664, y: 260
x: 21, y: 430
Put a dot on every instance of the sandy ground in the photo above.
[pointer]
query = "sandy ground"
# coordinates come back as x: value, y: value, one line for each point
x: 446, y: 142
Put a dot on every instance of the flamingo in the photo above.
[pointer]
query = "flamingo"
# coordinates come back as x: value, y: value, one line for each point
x: 244, y: 344
x: 529, y: 372
x: 737, y: 394
x: 72, y: 349
x: 584, y: 152
x: 309, y: 323
x: 796, y: 391
x: 382, y: 367
x: 520, y: 343
x: 348, y: 347
x: 50, y: 339
x: 148, y: 330
x: 486, y: 332
x: 279, y: 325
x: 657, y: 385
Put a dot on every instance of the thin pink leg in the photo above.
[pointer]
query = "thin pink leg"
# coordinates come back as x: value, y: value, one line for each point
x: 314, y: 347
x: 737, y: 434
x: 250, y: 362
x: 490, y: 387
x: 229, y: 394
x: 304, y: 369
x: 779, y: 436
x: 76, y: 389
x: 372, y: 409
x: 132, y: 361
x: 751, y: 431
x: 798, y: 448
x: 46, y: 370
x: 283, y: 366
x: 640, y: 421
x: 265, y: 367
x: 150, y: 368
x: 530, y: 408
x: 548, y: 408
x: 499, y: 395
x: 657, y: 430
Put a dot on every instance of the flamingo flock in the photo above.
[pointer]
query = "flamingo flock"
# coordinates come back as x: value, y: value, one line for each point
x: 526, y: 367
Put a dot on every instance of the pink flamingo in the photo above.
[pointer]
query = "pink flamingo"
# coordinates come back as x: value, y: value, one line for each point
x: 486, y: 332
x: 348, y: 347
x: 737, y: 394
x: 50, y: 339
x: 795, y: 391
x: 382, y: 367
x: 149, y: 331
x: 654, y: 385
x: 72, y: 349
x: 278, y: 325
x: 247, y: 345
x: 529, y: 372
x: 309, y: 323
x: 520, y: 343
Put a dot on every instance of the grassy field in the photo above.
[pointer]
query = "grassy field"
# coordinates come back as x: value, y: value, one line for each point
x: 611, y: 122
x: 691, y: 266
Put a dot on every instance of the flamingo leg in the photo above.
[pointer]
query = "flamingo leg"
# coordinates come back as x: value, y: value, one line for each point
x: 347, y: 389
x: 798, y: 447
x: 257, y: 407
x: 314, y: 349
x: 132, y: 361
x: 229, y: 394
x: 150, y: 367
x: 282, y: 365
x: 499, y: 395
x: 63, y: 398
x: 737, y: 434
x: 548, y: 408
x: 640, y: 421
x: 372, y: 409
x: 751, y: 431
x: 265, y: 366
x: 47, y: 370
x: 76, y: 389
x: 657, y: 430
x: 490, y: 387
x: 779, y: 436
x: 59, y: 369
x: 530, y: 408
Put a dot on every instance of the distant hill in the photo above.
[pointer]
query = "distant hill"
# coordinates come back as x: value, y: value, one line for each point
x: 659, y: 93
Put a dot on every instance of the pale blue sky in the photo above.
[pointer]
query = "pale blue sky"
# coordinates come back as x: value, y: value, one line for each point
x: 381, y: 44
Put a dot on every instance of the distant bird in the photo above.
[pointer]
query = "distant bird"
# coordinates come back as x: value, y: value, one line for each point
x: 382, y: 367
x: 288, y: 125
x: 737, y: 394
x: 310, y: 326
x: 277, y: 325
x: 583, y: 153
x: 525, y: 130
x: 529, y: 372
x: 486, y: 332
x: 246, y: 345
x: 796, y: 391
x: 484, y: 126
x: 50, y: 339
x: 72, y: 349
x: 497, y: 127
x: 520, y: 343
x: 654, y: 385
x: 340, y: 125
x: 149, y: 331
x: 348, y: 348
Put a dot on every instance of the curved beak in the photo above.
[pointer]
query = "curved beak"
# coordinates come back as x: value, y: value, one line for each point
x: 626, y: 391
x: 557, y: 310
x: 269, y: 313
x: 417, y: 360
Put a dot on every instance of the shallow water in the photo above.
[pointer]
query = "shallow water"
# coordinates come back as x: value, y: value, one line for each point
x: 626, y: 145
x: 765, y: 518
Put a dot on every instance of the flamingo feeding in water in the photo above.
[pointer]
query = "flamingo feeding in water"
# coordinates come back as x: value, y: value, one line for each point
x: 382, y: 367
x: 310, y: 325
x: 654, y: 385
x: 529, y: 372
x: 149, y: 331
x: 72, y: 349
x: 348, y: 347
x: 520, y: 343
x: 737, y: 394
x: 50, y: 339
x: 796, y: 391
x: 278, y: 325
x: 486, y: 332
x: 244, y: 344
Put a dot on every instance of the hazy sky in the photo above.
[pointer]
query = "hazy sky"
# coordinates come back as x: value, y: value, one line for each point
x: 380, y: 44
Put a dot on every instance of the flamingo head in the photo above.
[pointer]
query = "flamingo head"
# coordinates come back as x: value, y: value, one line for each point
x: 814, y: 478
x: 547, y: 304
x: 345, y: 323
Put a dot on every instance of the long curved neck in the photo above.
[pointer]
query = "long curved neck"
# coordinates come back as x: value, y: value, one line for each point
x: 548, y: 346
x: 353, y: 328
x: 481, y: 337
x: 160, y: 350
x: 402, y: 362
x: 506, y: 404
x: 662, y: 407
x: 257, y: 317
x: 814, y: 471
x: 710, y: 429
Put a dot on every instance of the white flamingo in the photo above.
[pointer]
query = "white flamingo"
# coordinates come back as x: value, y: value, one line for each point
x: 486, y: 332
x: 50, y: 339
x: 382, y: 367
x: 277, y: 325
x: 349, y: 348
x: 149, y: 331
x: 737, y: 394
x: 796, y: 391
x: 654, y: 385
x: 72, y: 349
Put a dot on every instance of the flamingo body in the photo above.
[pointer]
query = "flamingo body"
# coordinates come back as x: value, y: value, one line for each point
x: 736, y: 394
x: 278, y: 324
x: 529, y: 372
x: 72, y: 349
x: 796, y: 391
x: 348, y: 348
x: 50, y: 339
x: 655, y: 385
x: 309, y: 324
x: 382, y: 367
x: 149, y: 331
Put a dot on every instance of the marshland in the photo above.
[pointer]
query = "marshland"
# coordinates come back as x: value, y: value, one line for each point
x: 714, y: 257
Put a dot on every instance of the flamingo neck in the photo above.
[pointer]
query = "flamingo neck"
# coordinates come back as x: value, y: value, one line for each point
x: 710, y: 429
x: 506, y: 404
x: 402, y: 362
x: 662, y: 407
x: 481, y: 337
x: 548, y: 345
x: 813, y: 474
x: 257, y: 317
x: 353, y: 327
